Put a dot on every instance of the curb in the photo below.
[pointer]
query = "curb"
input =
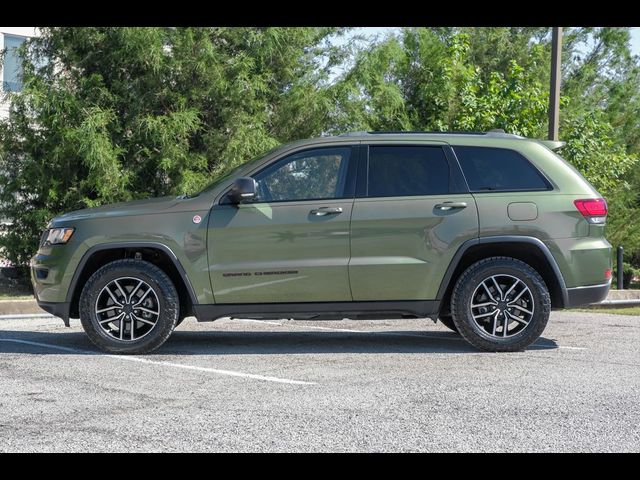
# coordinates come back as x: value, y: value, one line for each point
x: 22, y: 316
x: 19, y: 307
x: 616, y: 303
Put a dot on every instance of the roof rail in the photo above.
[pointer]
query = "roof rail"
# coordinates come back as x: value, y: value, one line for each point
x: 496, y: 132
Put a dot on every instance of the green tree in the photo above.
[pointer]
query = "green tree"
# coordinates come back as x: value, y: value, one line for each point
x: 479, y: 79
x: 111, y: 114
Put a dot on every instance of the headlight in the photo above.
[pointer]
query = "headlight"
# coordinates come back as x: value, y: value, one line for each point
x: 58, y: 236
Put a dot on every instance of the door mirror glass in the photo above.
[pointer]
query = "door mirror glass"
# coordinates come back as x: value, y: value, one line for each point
x: 244, y: 190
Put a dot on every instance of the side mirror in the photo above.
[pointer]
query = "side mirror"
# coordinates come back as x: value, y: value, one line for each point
x: 244, y: 190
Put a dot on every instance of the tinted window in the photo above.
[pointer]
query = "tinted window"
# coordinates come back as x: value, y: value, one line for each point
x: 488, y: 169
x: 407, y: 171
x: 312, y: 174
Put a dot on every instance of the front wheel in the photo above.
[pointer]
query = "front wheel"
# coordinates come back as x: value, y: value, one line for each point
x: 129, y: 306
x: 500, y: 304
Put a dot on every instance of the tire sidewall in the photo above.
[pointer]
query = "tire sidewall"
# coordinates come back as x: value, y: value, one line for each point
x: 156, y: 279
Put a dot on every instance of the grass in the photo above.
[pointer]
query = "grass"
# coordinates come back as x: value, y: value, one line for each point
x: 635, y: 311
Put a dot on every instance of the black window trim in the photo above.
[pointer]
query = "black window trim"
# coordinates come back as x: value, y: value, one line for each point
x: 455, y: 171
x: 349, y: 183
x: 545, y: 179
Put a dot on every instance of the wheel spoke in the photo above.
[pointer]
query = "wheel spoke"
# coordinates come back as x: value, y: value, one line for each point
x: 498, y: 289
x: 112, y: 319
x: 122, y: 327
x: 124, y: 295
x: 516, y: 318
x: 485, y: 304
x: 521, y: 309
x: 488, y: 292
x: 113, y: 296
x: 506, y: 295
x: 113, y: 307
x: 141, y: 299
x: 142, y: 319
x: 133, y: 292
x: 147, y: 310
x: 495, y: 322
x: 506, y: 325
x: 482, y: 315
x: 519, y: 295
x: 133, y: 324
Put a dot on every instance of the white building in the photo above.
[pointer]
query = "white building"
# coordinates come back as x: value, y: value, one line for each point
x: 10, y: 73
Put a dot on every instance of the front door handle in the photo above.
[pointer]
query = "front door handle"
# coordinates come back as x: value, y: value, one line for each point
x: 322, y: 211
x: 451, y: 205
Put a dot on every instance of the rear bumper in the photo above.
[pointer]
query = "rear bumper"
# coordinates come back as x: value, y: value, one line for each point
x: 58, y: 309
x: 586, y: 295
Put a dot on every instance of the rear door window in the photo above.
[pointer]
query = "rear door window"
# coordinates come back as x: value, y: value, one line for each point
x: 400, y: 171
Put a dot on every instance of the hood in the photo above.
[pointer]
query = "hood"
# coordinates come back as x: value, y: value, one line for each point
x: 135, y: 207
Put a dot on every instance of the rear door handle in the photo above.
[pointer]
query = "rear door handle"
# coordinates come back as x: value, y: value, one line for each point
x: 451, y: 205
x: 322, y: 211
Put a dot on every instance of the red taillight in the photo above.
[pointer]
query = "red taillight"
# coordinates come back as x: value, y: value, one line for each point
x: 607, y: 274
x: 593, y: 209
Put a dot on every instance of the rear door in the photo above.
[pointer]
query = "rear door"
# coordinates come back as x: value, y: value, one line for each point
x: 411, y: 213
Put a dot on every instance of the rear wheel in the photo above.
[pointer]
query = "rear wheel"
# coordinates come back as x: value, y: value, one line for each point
x: 500, y: 304
x: 129, y: 306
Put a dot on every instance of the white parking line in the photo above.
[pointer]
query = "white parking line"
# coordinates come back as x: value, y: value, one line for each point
x: 166, y: 364
x: 419, y: 335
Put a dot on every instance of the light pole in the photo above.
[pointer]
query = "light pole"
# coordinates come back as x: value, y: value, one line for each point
x: 554, y: 91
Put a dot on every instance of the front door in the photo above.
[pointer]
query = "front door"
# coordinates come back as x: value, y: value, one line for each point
x: 292, y: 243
x: 412, y: 213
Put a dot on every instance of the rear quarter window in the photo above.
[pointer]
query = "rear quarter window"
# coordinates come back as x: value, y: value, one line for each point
x: 489, y: 169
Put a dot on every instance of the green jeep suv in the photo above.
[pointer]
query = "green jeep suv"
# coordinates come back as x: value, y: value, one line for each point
x: 487, y: 232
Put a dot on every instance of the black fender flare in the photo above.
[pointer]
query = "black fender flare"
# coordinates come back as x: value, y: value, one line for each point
x: 113, y: 245
x: 446, y: 280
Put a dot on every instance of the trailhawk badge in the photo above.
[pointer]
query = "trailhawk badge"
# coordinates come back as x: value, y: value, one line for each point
x: 197, y: 219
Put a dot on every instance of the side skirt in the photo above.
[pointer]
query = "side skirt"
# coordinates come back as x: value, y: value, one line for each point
x: 321, y: 310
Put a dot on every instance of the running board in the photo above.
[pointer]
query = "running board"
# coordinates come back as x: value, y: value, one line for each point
x: 321, y: 310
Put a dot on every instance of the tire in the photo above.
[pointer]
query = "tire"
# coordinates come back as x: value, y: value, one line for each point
x: 447, y: 321
x: 150, y: 315
x: 482, y: 323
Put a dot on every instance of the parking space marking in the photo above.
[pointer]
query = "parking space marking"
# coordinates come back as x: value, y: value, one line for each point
x: 423, y: 335
x: 166, y: 364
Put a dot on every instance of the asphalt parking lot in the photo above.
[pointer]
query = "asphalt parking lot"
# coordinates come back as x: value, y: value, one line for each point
x: 242, y: 385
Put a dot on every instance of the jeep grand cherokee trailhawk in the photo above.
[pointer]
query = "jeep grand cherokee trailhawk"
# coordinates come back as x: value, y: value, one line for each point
x: 486, y: 232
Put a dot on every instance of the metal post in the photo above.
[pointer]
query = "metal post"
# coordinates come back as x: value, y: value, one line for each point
x: 554, y: 90
x: 620, y: 268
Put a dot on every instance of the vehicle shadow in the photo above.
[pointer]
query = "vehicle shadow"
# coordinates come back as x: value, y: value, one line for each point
x: 258, y: 343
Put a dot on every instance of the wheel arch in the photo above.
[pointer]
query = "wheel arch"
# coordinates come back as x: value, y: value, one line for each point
x: 530, y: 250
x: 153, y: 252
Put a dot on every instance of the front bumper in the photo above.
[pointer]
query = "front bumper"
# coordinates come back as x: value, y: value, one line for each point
x: 579, y: 296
